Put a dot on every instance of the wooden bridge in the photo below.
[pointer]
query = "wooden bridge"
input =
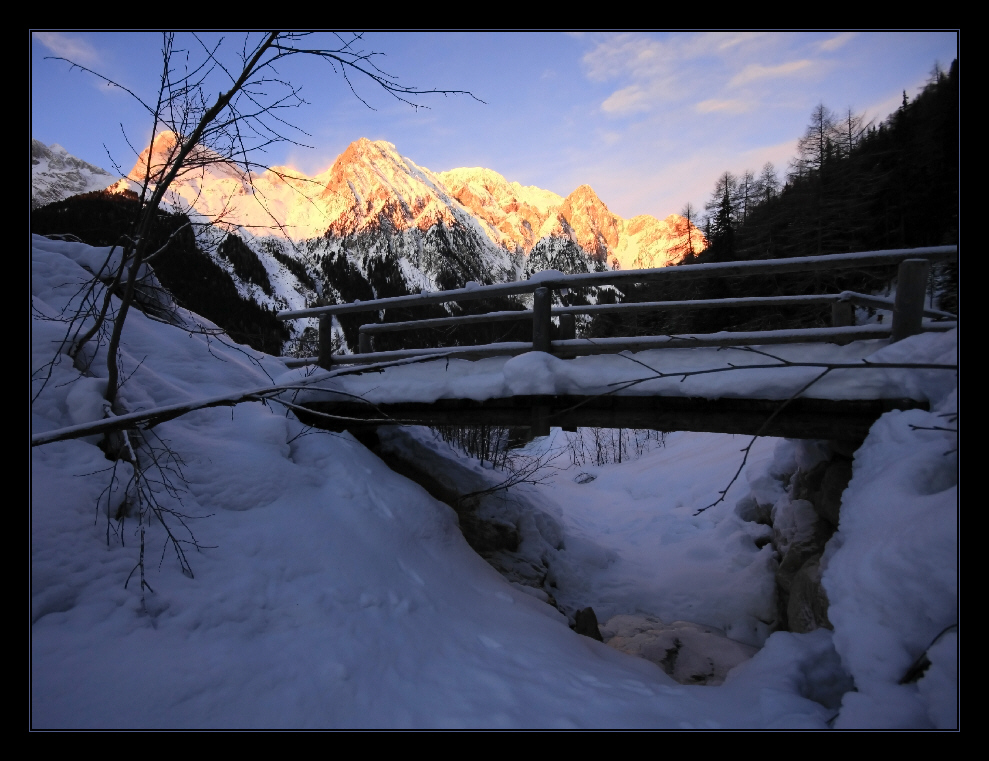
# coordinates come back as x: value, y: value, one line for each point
x: 798, y: 418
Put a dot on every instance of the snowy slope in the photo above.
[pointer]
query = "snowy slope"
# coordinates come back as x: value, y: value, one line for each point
x: 327, y: 591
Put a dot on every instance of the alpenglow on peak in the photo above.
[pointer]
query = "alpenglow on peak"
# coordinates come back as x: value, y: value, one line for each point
x: 372, y: 187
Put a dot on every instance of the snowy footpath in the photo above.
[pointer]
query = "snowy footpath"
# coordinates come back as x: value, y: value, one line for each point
x: 327, y: 591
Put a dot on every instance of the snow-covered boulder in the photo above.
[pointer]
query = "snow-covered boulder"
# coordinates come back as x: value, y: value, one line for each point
x: 690, y: 653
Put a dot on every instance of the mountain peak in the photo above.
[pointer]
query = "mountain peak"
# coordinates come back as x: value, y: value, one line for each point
x: 164, y: 140
x: 588, y: 201
x: 56, y: 174
x: 372, y: 187
x: 364, y: 149
x: 597, y: 230
x: 585, y: 191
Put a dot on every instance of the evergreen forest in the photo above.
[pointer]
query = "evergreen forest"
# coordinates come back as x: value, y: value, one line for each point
x: 854, y: 186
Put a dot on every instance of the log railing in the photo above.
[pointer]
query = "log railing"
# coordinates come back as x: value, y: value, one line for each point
x: 908, y: 308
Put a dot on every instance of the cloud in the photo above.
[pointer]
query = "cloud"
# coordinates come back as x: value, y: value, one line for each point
x: 836, y: 42
x: 756, y: 71
x: 653, y: 71
x: 71, y: 46
x: 628, y: 100
x: 651, y: 68
x: 626, y: 54
x: 729, y: 41
x: 728, y: 106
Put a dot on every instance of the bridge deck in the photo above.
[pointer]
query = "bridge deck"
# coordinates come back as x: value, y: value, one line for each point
x: 735, y: 390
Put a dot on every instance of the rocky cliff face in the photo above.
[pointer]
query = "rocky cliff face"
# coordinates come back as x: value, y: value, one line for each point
x: 529, y: 218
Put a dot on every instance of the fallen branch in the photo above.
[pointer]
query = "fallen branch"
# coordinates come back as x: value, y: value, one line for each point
x: 147, y: 419
x: 780, y: 362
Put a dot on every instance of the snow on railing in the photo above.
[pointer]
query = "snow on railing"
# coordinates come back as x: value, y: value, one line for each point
x: 908, y: 307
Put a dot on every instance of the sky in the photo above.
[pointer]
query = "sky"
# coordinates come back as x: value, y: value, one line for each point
x: 649, y: 120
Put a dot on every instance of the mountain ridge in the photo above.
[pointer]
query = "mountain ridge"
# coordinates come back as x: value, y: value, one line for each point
x: 370, y: 184
x: 377, y: 224
x: 56, y: 174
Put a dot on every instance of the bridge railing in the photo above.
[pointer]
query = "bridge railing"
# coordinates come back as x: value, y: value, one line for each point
x: 907, y: 308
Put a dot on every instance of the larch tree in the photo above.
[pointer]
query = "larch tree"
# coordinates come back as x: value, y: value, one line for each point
x: 814, y: 147
x: 768, y: 184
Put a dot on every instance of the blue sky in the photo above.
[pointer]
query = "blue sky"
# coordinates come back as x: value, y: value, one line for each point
x: 649, y: 120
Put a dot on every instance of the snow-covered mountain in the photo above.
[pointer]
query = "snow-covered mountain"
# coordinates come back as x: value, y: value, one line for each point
x: 373, y: 191
x: 378, y: 224
x: 55, y: 174
x: 524, y: 216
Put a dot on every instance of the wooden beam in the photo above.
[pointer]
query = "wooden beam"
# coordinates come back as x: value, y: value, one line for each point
x: 542, y: 300
x: 325, y: 359
x: 446, y: 322
x: 691, y: 272
x: 583, y: 346
x: 877, y: 302
x: 594, y: 309
x: 586, y: 346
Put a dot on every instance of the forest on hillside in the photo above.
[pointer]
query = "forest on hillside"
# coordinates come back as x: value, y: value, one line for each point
x: 853, y: 186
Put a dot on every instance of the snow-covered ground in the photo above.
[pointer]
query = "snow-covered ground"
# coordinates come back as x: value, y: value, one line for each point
x: 328, y: 591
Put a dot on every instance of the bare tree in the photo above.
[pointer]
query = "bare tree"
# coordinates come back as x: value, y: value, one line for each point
x: 213, y: 106
x: 851, y: 129
x: 746, y: 193
x: 817, y: 144
x: 196, y: 128
x: 685, y: 248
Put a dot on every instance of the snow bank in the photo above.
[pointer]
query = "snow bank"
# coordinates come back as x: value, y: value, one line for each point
x: 892, y: 572
x: 666, y: 372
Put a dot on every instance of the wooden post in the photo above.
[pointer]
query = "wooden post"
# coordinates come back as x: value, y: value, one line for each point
x: 364, y: 343
x: 325, y: 341
x: 540, y: 420
x: 541, y: 304
x: 842, y: 314
x: 568, y: 327
x: 911, y: 288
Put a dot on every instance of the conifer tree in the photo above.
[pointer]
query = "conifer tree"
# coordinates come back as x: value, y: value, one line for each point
x: 768, y: 184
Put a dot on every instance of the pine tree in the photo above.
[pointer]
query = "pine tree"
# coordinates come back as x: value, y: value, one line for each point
x: 722, y: 218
